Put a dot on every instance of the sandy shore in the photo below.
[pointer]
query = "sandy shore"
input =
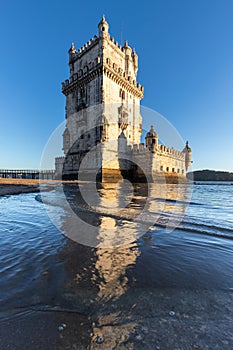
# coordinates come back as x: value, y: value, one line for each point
x: 14, y: 186
x: 18, y: 186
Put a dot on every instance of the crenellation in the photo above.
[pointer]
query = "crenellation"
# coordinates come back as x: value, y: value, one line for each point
x: 122, y: 74
x: 76, y: 54
x: 118, y: 49
x: 142, y: 147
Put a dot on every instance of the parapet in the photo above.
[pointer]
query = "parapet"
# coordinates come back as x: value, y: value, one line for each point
x: 108, y: 63
x: 167, y: 151
x: 88, y: 68
x: 60, y: 159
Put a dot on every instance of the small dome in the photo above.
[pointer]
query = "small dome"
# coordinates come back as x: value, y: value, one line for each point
x: 152, y: 132
x: 187, y: 148
x: 72, y: 49
x: 103, y: 20
x: 103, y: 25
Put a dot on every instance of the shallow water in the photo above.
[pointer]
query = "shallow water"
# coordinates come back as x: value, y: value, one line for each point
x: 123, y: 289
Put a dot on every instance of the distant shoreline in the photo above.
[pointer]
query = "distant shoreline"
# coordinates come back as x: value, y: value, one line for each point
x: 215, y: 183
x: 210, y: 175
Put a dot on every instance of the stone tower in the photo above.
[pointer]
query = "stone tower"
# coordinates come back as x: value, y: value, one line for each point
x: 102, y: 102
x: 103, y: 122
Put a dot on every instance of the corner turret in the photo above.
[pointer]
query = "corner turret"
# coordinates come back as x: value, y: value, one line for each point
x: 152, y: 139
x: 188, y: 155
x: 72, y: 48
x: 135, y: 61
x: 127, y: 48
x: 128, y: 54
x: 103, y: 27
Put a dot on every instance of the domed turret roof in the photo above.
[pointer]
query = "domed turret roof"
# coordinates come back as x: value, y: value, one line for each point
x: 103, y: 26
x: 187, y: 148
x: 103, y: 21
x: 152, y: 132
x: 72, y: 48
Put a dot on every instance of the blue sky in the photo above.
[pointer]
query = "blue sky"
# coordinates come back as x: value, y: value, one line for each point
x: 185, y: 50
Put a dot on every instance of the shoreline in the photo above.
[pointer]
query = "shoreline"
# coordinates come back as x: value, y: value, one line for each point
x: 18, y: 186
x: 12, y: 186
x: 6, y: 190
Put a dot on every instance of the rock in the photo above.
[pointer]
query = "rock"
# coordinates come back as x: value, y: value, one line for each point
x: 99, y: 340
x: 61, y: 327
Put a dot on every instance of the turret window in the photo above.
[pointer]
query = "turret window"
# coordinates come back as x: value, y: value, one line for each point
x: 167, y: 169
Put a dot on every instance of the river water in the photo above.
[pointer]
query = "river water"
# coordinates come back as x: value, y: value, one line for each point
x: 168, y: 287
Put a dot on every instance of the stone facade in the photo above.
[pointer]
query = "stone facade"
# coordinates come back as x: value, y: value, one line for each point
x: 103, y: 121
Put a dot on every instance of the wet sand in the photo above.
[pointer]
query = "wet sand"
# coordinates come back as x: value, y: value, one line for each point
x: 11, y: 189
x: 18, y: 186
x: 200, y: 320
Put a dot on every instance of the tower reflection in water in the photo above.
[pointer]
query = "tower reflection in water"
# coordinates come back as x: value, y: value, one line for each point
x: 100, y: 281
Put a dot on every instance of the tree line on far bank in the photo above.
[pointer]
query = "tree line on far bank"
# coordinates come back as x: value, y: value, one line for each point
x: 210, y: 175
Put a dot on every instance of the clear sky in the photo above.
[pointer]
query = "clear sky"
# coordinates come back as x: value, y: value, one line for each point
x: 185, y: 50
